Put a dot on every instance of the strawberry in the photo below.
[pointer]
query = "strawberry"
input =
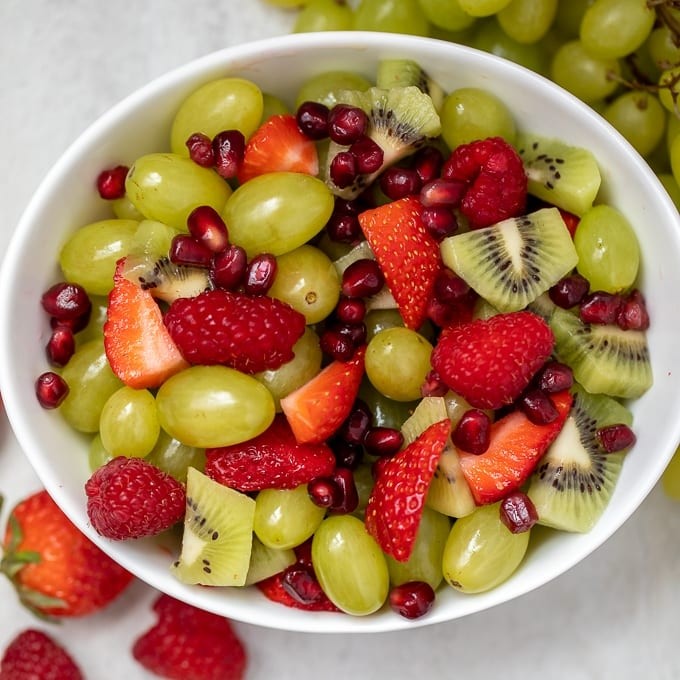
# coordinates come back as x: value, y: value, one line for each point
x: 273, y: 589
x: 407, y: 253
x: 56, y: 570
x: 571, y: 220
x: 131, y: 498
x: 278, y: 145
x: 318, y: 408
x: 272, y: 460
x: 138, y: 346
x: 248, y: 333
x: 187, y: 643
x: 34, y: 655
x: 489, y: 362
x: 516, y: 446
x: 396, y: 503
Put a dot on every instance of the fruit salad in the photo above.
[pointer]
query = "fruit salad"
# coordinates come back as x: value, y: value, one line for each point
x: 331, y: 347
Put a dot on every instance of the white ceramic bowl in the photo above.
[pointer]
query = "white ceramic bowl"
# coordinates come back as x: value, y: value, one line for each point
x: 140, y: 124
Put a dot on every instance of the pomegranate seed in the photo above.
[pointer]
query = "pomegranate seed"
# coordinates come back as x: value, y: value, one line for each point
x: 343, y: 228
x: 518, y: 512
x: 336, y: 345
x: 398, y: 182
x: 349, y: 501
x: 229, y: 267
x: 412, y: 600
x: 538, y: 407
x: 428, y: 163
x: 383, y: 441
x: 75, y: 325
x: 301, y: 584
x: 354, y: 428
x: 303, y: 553
x: 355, y: 332
x: 66, y: 301
x: 445, y: 314
x: 633, y: 315
x: 433, y: 386
x: 343, y: 169
x: 347, y: 455
x: 446, y: 192
x: 207, y: 227
x: 312, y: 119
x: 616, y: 437
x: 346, y: 207
x: 185, y: 249
x: 362, y: 278
x: 260, y: 274
x: 201, y: 150
x: 229, y: 147
x: 555, y: 377
x: 449, y: 287
x: 350, y: 310
x: 473, y: 432
x: 346, y: 124
x: 569, y: 291
x: 600, y: 307
x: 369, y: 156
x: 51, y: 389
x: 111, y: 183
x: 440, y: 221
x: 61, y: 345
x: 324, y: 492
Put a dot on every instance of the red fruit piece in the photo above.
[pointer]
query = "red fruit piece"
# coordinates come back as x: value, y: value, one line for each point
x: 33, y: 654
x: 497, y: 183
x: 190, y: 644
x: 516, y: 446
x: 273, y: 589
x: 491, y: 361
x: 571, y: 220
x: 248, y: 333
x: 130, y: 498
x: 318, y: 408
x: 272, y: 460
x: 278, y: 145
x: 138, y: 346
x: 396, y: 503
x: 407, y: 254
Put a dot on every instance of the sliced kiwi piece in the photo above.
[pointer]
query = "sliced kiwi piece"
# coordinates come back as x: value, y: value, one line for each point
x: 404, y: 72
x: 563, y: 175
x: 266, y: 561
x: 401, y: 120
x: 574, y: 480
x: 604, y: 358
x: 514, y: 261
x: 218, y: 531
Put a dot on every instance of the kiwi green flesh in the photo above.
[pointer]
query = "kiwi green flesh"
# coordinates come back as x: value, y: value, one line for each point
x: 217, y: 538
x: 574, y: 481
x: 266, y: 561
x: 563, y: 175
x: 604, y: 358
x: 403, y: 72
x: 511, y: 263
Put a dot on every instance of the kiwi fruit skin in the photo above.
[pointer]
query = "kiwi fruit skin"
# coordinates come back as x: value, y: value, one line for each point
x: 513, y: 262
x: 574, y: 481
x: 405, y: 72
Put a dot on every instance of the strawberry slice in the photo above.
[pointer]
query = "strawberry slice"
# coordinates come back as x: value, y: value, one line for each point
x: 272, y: 460
x: 516, y: 446
x: 318, y: 408
x: 396, y: 503
x: 407, y: 254
x: 278, y: 145
x: 137, y: 344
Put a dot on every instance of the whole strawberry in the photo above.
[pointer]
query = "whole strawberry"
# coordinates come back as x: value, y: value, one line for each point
x: 33, y: 655
x: 131, y: 498
x: 248, y: 333
x: 190, y: 644
x: 55, y: 568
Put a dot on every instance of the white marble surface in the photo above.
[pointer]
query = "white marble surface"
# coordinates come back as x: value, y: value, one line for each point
x: 614, y: 616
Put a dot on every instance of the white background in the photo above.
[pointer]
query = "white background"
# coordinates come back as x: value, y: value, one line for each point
x: 65, y: 62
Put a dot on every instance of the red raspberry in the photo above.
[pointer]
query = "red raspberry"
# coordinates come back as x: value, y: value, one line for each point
x: 130, y: 498
x: 250, y: 334
x: 496, y: 178
x: 33, y: 654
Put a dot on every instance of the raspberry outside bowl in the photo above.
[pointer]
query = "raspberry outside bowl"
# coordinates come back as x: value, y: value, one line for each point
x: 140, y: 124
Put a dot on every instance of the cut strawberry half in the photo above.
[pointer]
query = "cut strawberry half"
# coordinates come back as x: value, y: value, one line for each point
x: 318, y: 408
x: 138, y: 346
x: 516, y: 446
x: 396, y: 503
x: 407, y: 254
x: 278, y: 145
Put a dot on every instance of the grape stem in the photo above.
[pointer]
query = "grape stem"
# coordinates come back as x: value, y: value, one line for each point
x: 663, y: 12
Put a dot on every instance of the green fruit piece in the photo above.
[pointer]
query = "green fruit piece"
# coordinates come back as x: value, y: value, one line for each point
x: 405, y: 72
x: 327, y: 85
x: 404, y: 16
x: 266, y: 561
x: 97, y: 455
x: 123, y: 209
x: 152, y: 240
x: 386, y: 412
x: 175, y: 458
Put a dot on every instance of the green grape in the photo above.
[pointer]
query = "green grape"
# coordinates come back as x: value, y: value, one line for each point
x: 295, y: 373
x: 209, y: 406
x: 670, y: 480
x: 397, y: 362
x: 350, y: 566
x: 379, y: 319
x: 588, y: 78
x: 95, y: 326
x: 224, y: 104
x: 425, y: 562
x: 324, y: 15
x: 287, y: 3
x: 277, y: 212
x: 175, y: 458
x: 672, y: 130
x: 465, y: 36
x: 470, y: 113
x: 608, y: 250
x: 152, y: 239
x: 391, y: 16
x: 659, y: 159
x: 334, y: 249
x: 123, y: 209
x: 672, y: 187
x: 527, y: 21
x: 569, y: 15
x: 91, y: 382
x: 97, y: 455
x: 324, y: 87
x: 89, y: 256
x: 272, y: 106
x: 493, y: 39
x: 285, y: 518
x: 446, y: 14
x: 639, y: 117
x: 669, y: 89
x: 386, y: 412
x: 481, y: 552
x: 456, y: 406
x: 483, y: 8
x: 675, y: 158
x: 166, y: 187
x: 615, y: 28
x: 662, y: 49
x: 128, y: 424
x: 363, y: 480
